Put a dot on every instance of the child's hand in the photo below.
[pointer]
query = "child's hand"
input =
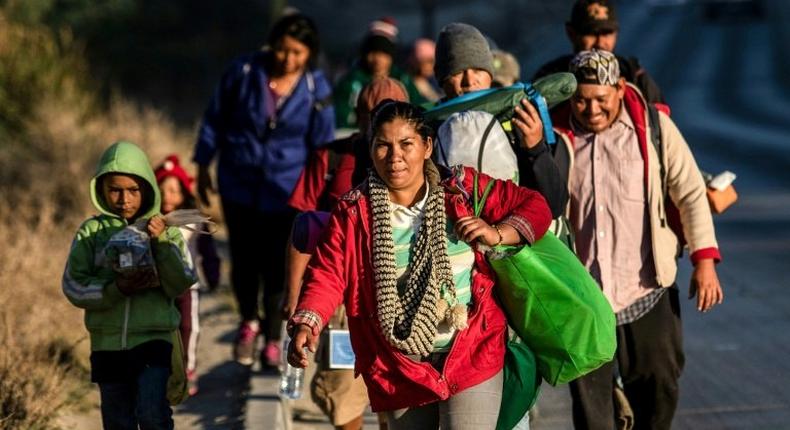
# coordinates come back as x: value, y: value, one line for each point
x: 156, y: 225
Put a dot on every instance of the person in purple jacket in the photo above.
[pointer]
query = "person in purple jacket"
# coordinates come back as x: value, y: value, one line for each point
x: 270, y: 109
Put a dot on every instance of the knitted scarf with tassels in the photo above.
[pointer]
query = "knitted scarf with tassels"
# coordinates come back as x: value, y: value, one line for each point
x: 409, y: 319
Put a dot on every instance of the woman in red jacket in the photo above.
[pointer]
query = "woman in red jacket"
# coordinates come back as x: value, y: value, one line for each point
x: 404, y: 252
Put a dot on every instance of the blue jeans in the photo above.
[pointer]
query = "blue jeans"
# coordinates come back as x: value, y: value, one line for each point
x: 142, y: 402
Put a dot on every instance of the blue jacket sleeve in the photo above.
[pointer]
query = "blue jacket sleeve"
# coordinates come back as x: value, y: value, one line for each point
x: 213, y: 123
x: 322, y: 122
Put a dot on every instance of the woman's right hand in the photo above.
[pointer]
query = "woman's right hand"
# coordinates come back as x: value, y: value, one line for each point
x: 303, y: 337
x: 472, y: 228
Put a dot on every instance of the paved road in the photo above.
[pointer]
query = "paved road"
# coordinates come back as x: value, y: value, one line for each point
x: 223, y: 384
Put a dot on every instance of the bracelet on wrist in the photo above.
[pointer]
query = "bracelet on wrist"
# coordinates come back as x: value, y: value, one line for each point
x: 499, y: 232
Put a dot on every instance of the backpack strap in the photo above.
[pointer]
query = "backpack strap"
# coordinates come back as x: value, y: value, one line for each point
x: 479, y: 202
x: 318, y: 105
x: 655, y: 138
x: 483, y: 143
x: 543, y: 109
x: 310, y: 82
x: 669, y: 212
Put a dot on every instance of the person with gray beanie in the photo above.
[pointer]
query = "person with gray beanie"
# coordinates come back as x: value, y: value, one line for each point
x: 463, y: 60
x: 464, y: 64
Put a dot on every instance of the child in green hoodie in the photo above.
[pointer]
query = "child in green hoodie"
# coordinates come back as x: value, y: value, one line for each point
x: 129, y: 311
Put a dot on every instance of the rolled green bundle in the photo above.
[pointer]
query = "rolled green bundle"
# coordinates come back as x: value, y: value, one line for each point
x: 556, y: 88
x: 501, y: 102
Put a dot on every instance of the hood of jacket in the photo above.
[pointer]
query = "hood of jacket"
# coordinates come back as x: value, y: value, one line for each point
x: 127, y: 158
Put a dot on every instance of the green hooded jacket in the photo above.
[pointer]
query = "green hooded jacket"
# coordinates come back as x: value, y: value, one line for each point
x: 115, y: 321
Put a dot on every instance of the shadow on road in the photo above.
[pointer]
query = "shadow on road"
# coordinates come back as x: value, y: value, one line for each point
x: 220, y: 401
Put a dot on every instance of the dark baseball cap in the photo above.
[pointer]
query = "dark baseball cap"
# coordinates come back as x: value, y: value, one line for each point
x: 593, y: 17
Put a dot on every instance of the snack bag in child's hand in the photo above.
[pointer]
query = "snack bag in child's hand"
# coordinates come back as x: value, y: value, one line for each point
x: 128, y: 253
x: 185, y: 217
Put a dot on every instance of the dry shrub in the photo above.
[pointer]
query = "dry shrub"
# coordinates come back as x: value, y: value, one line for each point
x: 45, y: 167
x: 24, y: 376
x: 36, y: 360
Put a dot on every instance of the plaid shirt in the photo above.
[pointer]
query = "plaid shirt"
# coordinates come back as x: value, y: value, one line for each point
x: 640, y: 307
x: 308, y: 318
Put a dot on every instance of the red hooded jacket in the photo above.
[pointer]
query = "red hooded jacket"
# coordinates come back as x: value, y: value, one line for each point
x: 342, y: 271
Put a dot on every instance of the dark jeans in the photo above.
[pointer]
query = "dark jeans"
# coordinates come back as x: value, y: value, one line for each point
x: 257, y: 250
x: 650, y: 358
x: 142, y: 402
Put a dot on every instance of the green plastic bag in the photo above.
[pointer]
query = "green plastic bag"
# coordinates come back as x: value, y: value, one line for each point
x: 521, y: 386
x: 177, y: 385
x: 556, y: 307
x: 553, y: 304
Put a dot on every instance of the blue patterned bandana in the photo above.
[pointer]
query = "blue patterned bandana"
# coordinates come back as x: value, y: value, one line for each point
x: 596, y: 67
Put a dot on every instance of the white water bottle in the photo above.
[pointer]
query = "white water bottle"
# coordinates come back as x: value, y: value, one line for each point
x: 291, y: 378
x: 291, y: 382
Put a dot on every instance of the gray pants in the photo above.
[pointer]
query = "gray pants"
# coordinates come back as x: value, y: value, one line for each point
x: 476, y: 408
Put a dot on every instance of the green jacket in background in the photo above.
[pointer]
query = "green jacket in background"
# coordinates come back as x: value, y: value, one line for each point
x: 348, y: 88
x: 117, y: 322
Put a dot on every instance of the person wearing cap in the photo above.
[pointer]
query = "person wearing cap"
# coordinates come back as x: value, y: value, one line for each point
x: 594, y: 25
x: 463, y: 60
x: 464, y: 64
x: 376, y: 57
x: 617, y: 211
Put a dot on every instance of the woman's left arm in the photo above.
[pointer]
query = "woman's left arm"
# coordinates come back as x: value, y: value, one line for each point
x: 512, y: 208
x: 324, y: 280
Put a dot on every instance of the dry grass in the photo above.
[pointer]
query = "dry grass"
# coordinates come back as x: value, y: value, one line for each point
x: 45, y: 166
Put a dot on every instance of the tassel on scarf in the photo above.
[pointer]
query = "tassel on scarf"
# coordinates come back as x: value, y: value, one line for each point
x: 441, y: 309
x: 458, y: 317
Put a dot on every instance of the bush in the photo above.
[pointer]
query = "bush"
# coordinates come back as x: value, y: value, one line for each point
x: 31, y: 385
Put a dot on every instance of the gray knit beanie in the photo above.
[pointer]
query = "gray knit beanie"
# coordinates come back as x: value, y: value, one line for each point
x: 460, y: 47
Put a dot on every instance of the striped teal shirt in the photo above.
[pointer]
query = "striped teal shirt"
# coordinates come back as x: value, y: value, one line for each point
x: 405, y: 225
